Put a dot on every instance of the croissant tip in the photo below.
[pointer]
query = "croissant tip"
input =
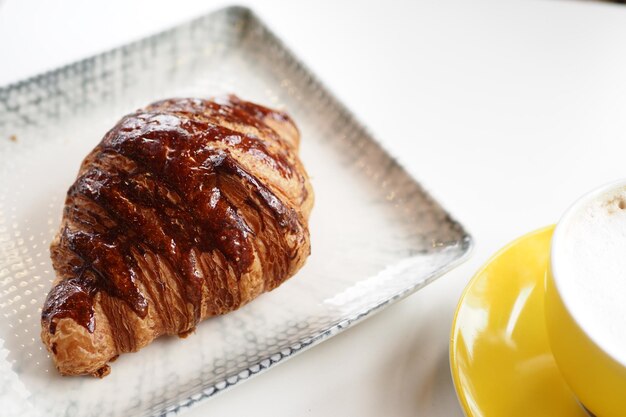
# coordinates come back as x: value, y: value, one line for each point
x: 183, y: 335
x: 102, y: 372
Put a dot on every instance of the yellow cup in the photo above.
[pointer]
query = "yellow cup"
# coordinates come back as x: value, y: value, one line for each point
x: 597, y: 378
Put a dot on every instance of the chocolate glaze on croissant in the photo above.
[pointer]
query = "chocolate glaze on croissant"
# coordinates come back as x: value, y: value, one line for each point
x: 186, y: 209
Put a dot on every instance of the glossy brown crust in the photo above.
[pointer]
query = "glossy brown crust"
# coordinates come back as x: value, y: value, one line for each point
x: 187, y: 209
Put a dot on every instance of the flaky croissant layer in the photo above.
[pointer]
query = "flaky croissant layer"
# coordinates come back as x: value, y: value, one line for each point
x: 186, y: 209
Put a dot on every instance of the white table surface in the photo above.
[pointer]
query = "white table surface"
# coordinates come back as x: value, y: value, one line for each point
x: 505, y: 110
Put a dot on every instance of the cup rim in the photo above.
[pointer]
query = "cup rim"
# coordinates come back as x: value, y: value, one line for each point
x: 557, y: 237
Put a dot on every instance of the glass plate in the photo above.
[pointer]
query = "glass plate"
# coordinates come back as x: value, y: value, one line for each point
x: 376, y: 235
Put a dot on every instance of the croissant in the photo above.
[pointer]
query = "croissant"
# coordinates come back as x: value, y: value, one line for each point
x: 187, y: 209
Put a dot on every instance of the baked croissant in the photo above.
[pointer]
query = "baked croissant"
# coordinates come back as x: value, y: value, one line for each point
x: 186, y: 209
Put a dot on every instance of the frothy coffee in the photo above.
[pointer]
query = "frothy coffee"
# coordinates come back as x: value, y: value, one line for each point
x: 591, y: 265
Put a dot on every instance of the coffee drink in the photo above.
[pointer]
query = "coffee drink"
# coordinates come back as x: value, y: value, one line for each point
x: 591, y: 262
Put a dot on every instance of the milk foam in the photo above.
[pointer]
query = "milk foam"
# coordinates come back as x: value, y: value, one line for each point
x: 591, y: 269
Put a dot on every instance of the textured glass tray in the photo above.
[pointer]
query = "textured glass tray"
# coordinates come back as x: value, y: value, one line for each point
x: 376, y: 235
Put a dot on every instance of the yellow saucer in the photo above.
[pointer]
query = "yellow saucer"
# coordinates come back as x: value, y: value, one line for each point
x: 499, y: 353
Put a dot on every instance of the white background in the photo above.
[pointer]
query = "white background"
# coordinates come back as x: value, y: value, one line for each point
x: 505, y: 110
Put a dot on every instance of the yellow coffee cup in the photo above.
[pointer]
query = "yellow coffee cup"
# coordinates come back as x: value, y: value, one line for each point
x: 585, y: 308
